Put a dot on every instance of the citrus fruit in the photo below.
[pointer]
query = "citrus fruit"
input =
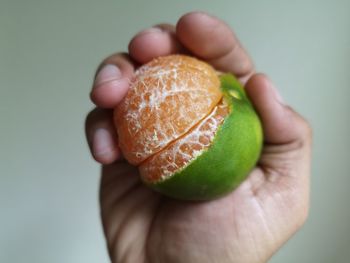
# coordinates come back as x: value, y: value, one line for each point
x: 191, y: 131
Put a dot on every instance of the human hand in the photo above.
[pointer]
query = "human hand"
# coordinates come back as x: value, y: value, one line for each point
x: 247, y: 225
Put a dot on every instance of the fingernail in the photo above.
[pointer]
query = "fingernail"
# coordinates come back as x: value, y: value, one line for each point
x: 102, y: 143
x: 107, y: 73
x: 150, y: 31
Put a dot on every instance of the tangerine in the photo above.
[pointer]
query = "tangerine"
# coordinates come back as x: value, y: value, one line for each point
x: 192, y: 133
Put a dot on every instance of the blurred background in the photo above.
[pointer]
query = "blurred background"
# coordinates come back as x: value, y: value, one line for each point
x: 49, y: 51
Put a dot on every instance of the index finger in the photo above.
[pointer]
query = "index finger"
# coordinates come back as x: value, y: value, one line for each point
x: 213, y: 40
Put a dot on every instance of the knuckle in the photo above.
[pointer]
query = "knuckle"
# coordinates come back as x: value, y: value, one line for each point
x: 303, y: 216
x: 304, y: 126
x: 306, y: 129
x: 96, y: 115
x: 92, y: 115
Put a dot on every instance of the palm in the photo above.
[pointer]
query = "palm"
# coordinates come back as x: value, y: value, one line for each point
x: 262, y: 212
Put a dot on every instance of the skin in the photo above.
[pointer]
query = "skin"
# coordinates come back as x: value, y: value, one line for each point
x: 248, y: 225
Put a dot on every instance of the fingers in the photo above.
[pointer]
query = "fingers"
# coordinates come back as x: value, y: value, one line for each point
x: 156, y: 41
x: 125, y: 217
x: 112, y: 80
x: 212, y: 40
x: 101, y: 136
x: 203, y: 35
x: 206, y: 37
x: 281, y: 124
x: 113, y: 76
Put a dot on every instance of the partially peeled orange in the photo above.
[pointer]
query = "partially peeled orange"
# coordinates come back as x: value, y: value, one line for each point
x: 191, y: 131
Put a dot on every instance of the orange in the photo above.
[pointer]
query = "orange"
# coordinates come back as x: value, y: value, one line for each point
x: 178, y: 123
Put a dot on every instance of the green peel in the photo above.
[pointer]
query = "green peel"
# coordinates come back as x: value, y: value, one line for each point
x: 228, y: 161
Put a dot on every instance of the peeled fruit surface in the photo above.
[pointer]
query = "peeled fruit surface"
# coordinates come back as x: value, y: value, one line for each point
x: 193, y: 134
x: 168, y: 96
x: 182, y: 151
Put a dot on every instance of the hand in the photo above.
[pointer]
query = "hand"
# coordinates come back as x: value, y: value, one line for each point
x: 248, y: 225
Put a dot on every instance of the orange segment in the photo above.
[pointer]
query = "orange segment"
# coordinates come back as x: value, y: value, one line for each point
x: 182, y: 151
x: 168, y: 96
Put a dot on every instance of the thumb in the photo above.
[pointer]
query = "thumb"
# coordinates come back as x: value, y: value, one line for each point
x: 280, y: 123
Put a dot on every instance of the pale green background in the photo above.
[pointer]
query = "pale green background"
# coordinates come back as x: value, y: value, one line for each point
x: 48, y: 53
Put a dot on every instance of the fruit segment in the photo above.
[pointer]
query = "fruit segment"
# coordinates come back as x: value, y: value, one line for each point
x: 181, y: 152
x: 167, y: 98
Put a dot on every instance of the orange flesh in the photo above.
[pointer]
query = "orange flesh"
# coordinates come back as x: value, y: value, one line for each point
x: 168, y: 97
x: 182, y: 151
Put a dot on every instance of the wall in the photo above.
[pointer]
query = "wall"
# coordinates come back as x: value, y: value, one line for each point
x: 48, y: 53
